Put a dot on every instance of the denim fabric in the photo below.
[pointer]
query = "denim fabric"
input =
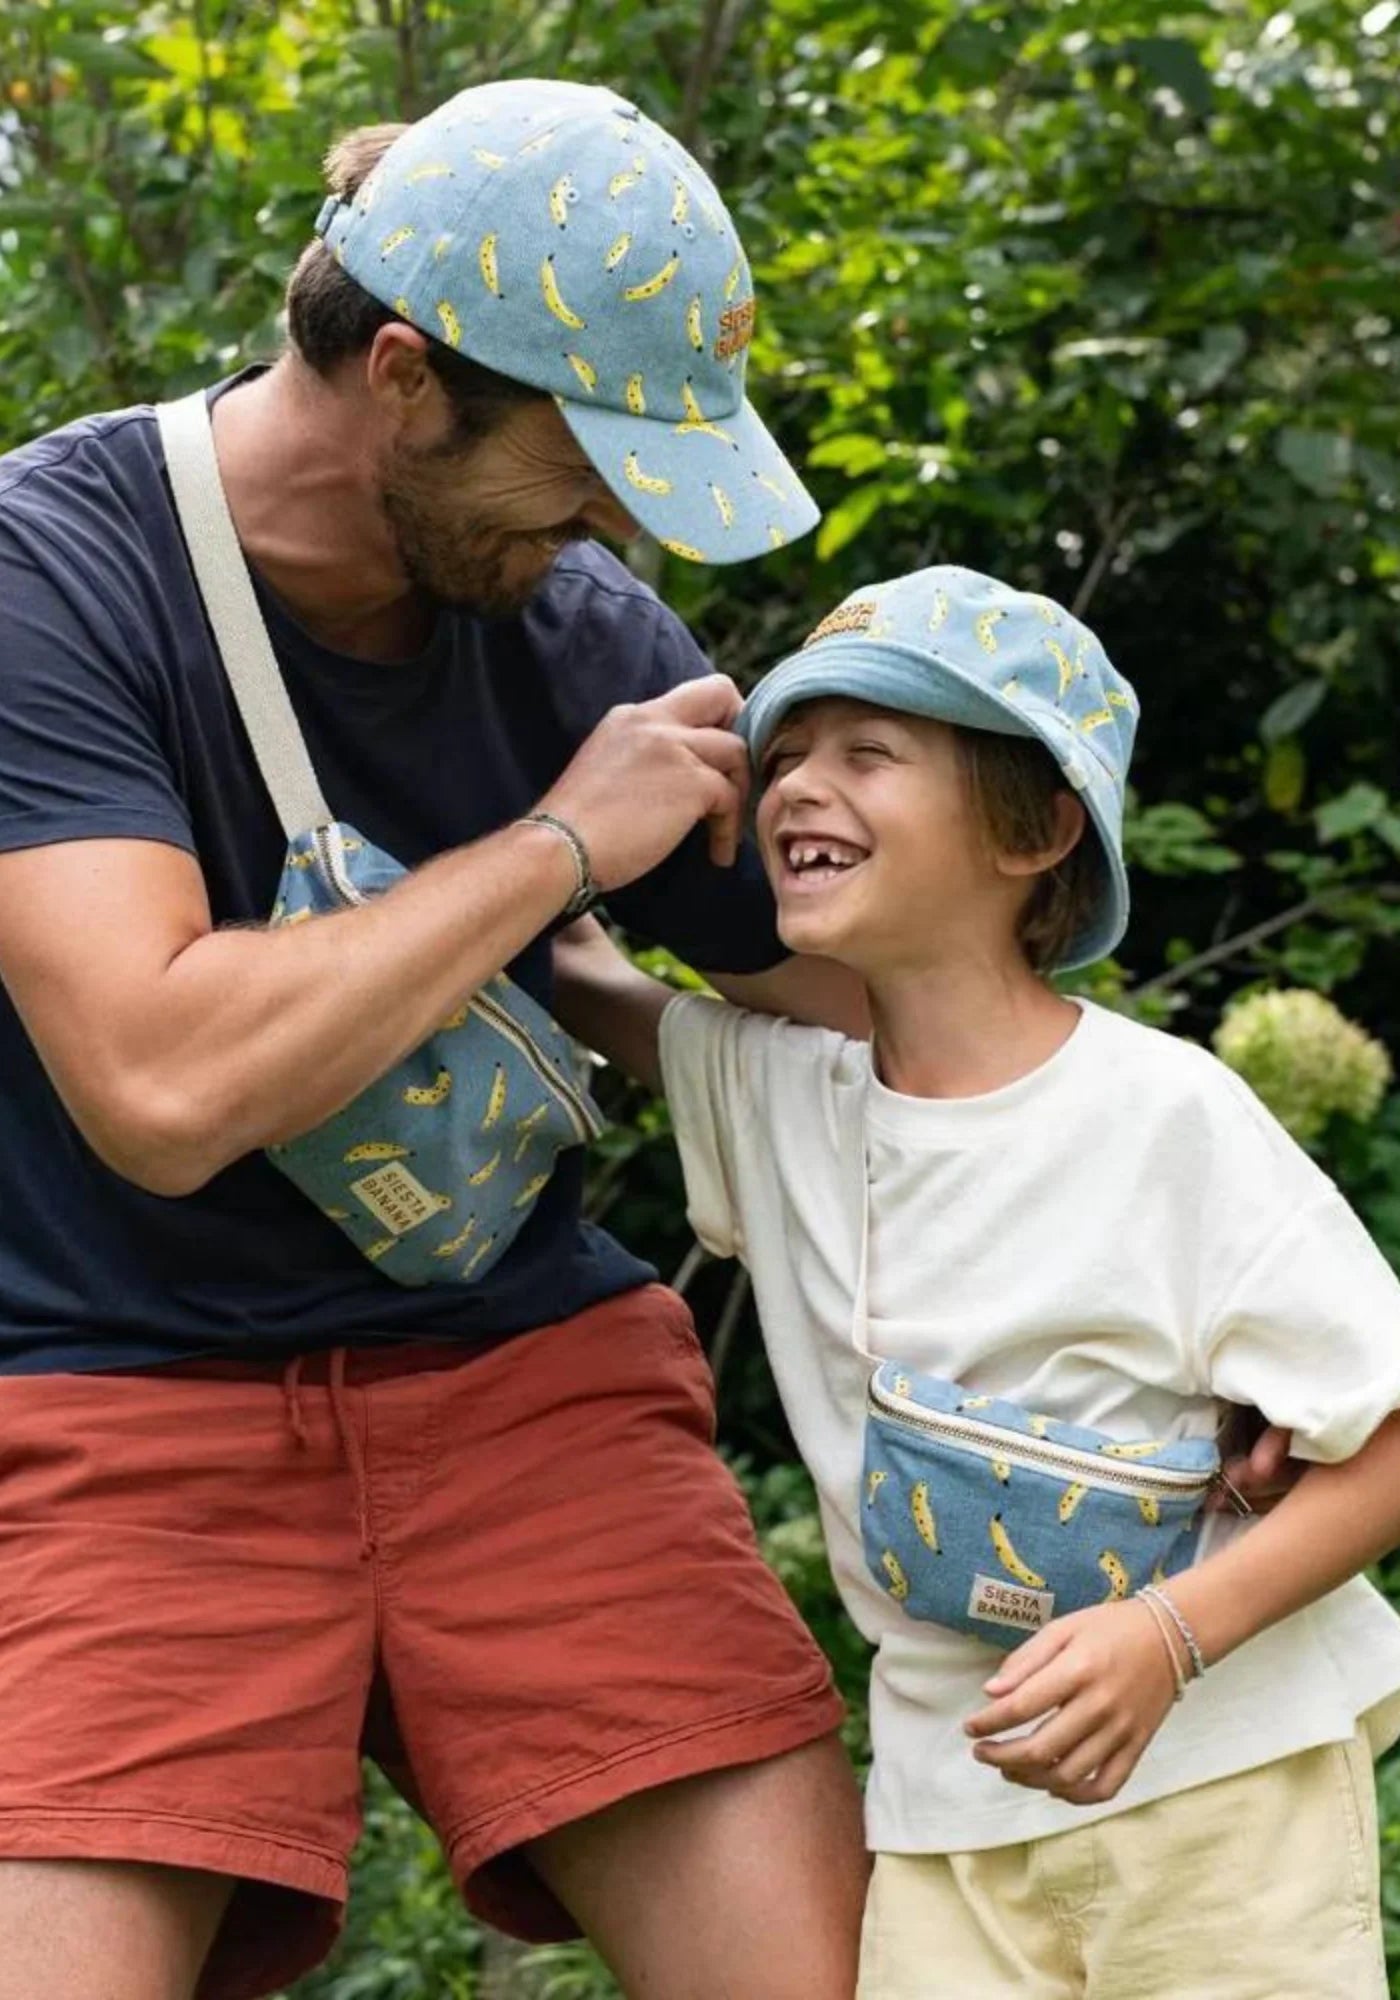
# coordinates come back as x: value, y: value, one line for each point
x: 971, y: 1533
x: 433, y: 1170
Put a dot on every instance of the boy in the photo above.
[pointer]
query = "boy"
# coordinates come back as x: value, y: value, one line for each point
x: 1047, y: 1206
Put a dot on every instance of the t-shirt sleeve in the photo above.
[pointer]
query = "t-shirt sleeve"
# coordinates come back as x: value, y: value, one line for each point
x: 707, y: 1051
x: 1307, y: 1330
x: 82, y: 754
x: 719, y: 919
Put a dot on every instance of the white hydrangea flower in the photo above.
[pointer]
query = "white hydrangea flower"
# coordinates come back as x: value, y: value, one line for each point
x: 1304, y: 1058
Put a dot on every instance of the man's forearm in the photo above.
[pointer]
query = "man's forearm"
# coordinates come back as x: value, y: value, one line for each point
x: 256, y: 1036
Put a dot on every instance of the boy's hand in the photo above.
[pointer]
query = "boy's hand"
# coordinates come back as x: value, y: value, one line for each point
x: 1099, y: 1684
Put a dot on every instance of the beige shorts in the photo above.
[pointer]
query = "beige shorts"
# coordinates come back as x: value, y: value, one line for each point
x: 1264, y: 1886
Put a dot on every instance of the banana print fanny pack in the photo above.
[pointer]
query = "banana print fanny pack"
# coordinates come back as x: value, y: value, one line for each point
x: 992, y: 1520
x: 982, y: 1516
x: 433, y: 1170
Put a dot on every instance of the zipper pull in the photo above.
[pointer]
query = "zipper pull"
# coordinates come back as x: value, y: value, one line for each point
x: 1232, y: 1493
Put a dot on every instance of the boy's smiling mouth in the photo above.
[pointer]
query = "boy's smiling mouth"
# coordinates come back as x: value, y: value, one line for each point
x: 814, y: 859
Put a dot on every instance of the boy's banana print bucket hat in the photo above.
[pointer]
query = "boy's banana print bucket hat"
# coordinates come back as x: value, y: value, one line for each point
x: 962, y: 648
x: 552, y: 232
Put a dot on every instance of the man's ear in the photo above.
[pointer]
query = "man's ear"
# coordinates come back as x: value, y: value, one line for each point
x: 401, y: 382
x: 1068, y: 830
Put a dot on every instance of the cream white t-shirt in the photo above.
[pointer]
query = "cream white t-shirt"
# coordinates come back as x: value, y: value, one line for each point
x: 1123, y: 1238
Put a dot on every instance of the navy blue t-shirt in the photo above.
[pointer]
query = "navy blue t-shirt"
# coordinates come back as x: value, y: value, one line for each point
x: 116, y: 721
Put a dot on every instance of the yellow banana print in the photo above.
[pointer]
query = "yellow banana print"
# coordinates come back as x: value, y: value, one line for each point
x: 559, y: 201
x: 432, y: 173
x: 687, y: 551
x: 1150, y: 1507
x: 618, y: 251
x: 1064, y: 663
x: 1115, y: 1570
x: 526, y: 1125
x: 442, y: 245
x: 403, y: 308
x: 923, y: 1516
x: 1147, y: 1449
x: 377, y: 1149
x: 549, y: 285
x: 1116, y: 699
x: 451, y: 325
x: 986, y: 630
x: 530, y: 1190
x: 777, y: 539
x: 693, y: 324
x: 301, y: 860
x: 723, y: 503
x: 650, y: 287
x: 1008, y: 1558
x: 374, y: 1251
x: 459, y: 1241
x: 645, y: 482
x: 1095, y: 721
x: 586, y: 372
x: 939, y: 612
x: 437, y: 1092
x: 627, y: 178
x: 976, y: 1402
x: 873, y: 1484
x: 1039, y: 1426
x: 483, y: 1174
x: 1069, y: 1501
x: 636, y: 400
x: 496, y: 1102
x: 395, y: 238
x: 894, y: 1570
x: 903, y: 1386
x: 299, y: 917
x: 731, y: 283
x: 695, y: 418
x: 772, y: 486
x: 1001, y: 1470
x: 480, y: 1251
x: 489, y: 265
x: 680, y: 204
x: 1159, y: 1576
x: 336, y: 1214
x: 457, y: 1020
x: 485, y: 159
x: 538, y: 145
x: 1048, y: 611
x: 1012, y: 689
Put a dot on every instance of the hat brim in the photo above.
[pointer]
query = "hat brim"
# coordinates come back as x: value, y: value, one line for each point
x: 914, y: 682
x: 718, y: 492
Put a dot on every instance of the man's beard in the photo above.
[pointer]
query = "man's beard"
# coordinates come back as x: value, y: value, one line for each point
x: 485, y: 570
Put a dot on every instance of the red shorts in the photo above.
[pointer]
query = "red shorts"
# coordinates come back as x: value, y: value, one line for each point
x: 522, y: 1582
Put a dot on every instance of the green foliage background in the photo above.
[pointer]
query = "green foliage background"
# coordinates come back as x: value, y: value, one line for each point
x: 1098, y: 295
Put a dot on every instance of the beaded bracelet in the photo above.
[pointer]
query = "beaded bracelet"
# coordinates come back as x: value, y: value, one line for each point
x: 1160, y: 1620
x: 1155, y: 1594
x: 586, y: 892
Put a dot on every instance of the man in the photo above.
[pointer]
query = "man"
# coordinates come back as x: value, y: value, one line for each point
x: 261, y: 1506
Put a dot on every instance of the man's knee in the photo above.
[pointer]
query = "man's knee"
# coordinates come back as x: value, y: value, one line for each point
x: 105, y: 1930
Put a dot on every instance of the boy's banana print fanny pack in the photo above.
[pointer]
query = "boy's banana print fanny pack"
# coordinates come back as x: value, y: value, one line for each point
x: 979, y: 1515
x: 432, y: 1171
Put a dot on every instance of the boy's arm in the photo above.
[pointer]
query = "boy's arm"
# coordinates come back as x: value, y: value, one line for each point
x: 606, y: 1003
x: 1102, y: 1677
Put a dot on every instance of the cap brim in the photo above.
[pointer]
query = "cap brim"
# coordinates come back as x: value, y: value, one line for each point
x: 718, y: 492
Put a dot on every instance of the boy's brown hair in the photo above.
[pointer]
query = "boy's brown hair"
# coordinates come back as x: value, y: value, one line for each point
x: 1013, y: 783
x: 330, y: 318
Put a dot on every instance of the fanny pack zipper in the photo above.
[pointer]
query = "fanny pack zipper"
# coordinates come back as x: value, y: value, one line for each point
x: 329, y: 852
x: 1087, y: 1468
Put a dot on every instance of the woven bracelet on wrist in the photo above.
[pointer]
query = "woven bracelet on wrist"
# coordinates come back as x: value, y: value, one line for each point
x: 1155, y: 1594
x: 1164, y: 1629
x: 586, y: 890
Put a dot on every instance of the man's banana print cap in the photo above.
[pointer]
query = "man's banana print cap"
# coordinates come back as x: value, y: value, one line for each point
x: 552, y: 232
x: 960, y: 647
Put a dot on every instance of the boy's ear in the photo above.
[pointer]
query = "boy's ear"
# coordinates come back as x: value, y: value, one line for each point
x: 1069, y: 825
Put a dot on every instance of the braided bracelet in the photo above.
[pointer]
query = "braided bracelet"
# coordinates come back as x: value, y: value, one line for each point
x: 1160, y: 1620
x: 586, y: 892
x: 1155, y: 1594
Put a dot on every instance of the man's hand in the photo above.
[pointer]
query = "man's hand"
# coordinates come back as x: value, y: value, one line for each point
x: 1257, y: 1465
x: 1099, y: 1684
x: 650, y: 772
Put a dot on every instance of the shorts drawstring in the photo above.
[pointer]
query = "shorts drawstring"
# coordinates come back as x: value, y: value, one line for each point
x: 291, y: 1390
x: 345, y: 1431
x: 354, y: 1457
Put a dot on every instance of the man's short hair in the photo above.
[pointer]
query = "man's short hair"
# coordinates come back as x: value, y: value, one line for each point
x: 331, y: 319
x: 1013, y: 783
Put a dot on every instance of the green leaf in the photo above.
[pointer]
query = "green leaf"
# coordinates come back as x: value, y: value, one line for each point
x: 1353, y: 812
x: 1294, y: 707
x: 1319, y: 460
x: 94, y: 55
x: 1174, y: 63
x: 846, y: 520
x: 1285, y: 774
